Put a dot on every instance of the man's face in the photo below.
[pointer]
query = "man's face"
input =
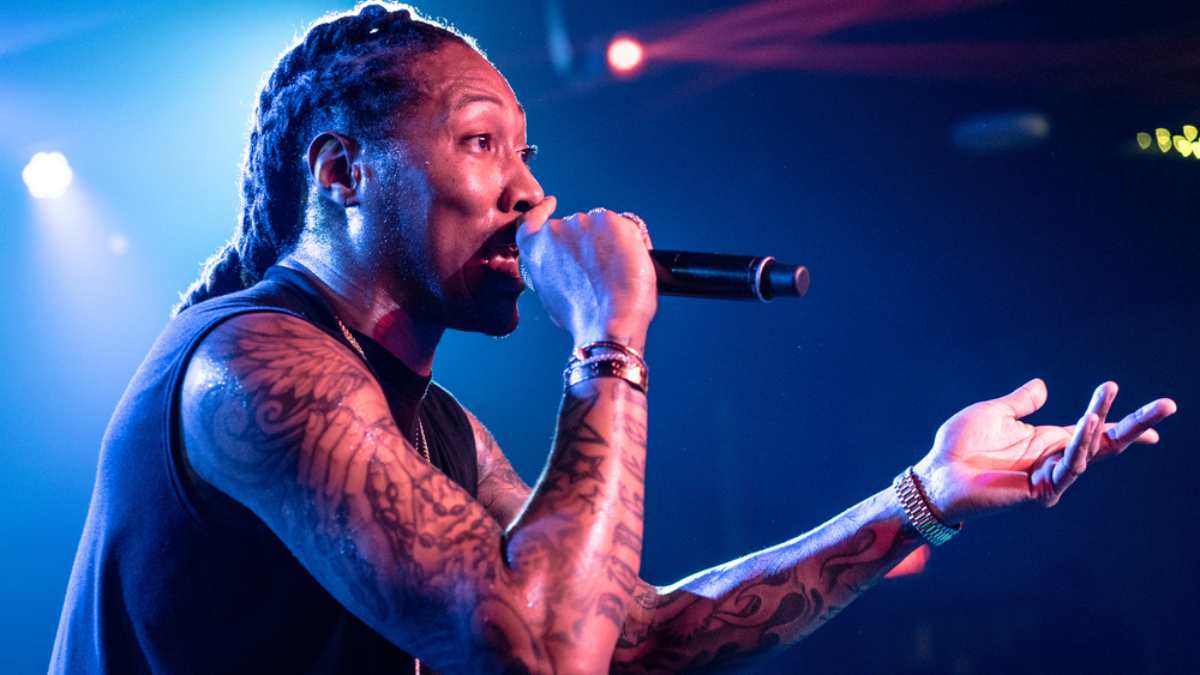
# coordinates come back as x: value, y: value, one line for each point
x: 445, y: 200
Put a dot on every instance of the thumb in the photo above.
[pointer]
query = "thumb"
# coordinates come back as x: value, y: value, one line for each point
x: 1025, y: 399
x: 533, y: 220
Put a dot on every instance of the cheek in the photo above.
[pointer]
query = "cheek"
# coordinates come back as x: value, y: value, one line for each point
x: 462, y: 216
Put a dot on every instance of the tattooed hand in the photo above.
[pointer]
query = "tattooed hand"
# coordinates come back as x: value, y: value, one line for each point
x: 985, y: 458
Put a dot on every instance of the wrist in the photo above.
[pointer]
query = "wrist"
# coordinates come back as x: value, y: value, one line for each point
x: 607, y: 358
x: 918, y: 510
x: 936, y: 487
x: 627, y: 334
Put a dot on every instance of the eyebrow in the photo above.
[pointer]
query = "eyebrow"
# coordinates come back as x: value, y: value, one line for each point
x: 467, y: 99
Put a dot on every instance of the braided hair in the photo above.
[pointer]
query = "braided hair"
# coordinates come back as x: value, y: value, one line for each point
x: 348, y: 69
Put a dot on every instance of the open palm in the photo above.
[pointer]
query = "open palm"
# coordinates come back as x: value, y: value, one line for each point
x: 985, y: 458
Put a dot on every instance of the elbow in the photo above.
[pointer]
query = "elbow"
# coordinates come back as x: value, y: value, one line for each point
x: 519, y: 631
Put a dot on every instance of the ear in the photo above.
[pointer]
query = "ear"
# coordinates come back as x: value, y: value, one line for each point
x: 333, y: 164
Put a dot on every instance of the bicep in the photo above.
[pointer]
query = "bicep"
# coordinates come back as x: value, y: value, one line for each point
x: 501, y: 490
x: 285, y: 420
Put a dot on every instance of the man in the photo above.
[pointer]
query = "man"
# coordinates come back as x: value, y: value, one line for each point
x: 283, y: 489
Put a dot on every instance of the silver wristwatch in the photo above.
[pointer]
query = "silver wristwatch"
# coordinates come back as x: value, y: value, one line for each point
x: 920, y: 512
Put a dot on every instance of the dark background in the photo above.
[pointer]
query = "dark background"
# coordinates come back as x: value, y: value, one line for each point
x: 941, y: 276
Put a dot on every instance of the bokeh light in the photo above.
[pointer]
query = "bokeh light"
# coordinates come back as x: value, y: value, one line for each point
x: 1182, y: 146
x: 1186, y: 144
x: 1164, y: 139
x: 118, y: 244
x: 47, y: 175
x: 625, y: 56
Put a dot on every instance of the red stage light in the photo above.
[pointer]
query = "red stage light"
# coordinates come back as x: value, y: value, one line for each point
x: 625, y: 55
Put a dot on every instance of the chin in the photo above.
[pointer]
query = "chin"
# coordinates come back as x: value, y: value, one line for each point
x: 495, y: 318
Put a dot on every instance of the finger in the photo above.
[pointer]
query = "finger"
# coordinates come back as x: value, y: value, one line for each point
x: 1094, y: 437
x: 1026, y: 399
x: 1148, y: 437
x: 1135, y: 425
x: 533, y: 219
x: 641, y: 226
x: 1074, y: 460
x: 1041, y: 480
x: 1102, y: 399
x: 1101, y: 403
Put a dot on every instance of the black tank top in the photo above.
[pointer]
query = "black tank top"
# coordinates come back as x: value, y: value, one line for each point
x: 165, y: 581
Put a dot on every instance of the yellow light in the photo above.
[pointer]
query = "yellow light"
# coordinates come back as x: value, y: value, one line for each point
x: 1182, y: 146
x: 1144, y: 140
x: 1164, y: 139
x: 1196, y: 149
x: 1189, y: 132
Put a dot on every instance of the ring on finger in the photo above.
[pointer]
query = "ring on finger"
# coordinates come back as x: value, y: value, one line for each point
x: 637, y: 220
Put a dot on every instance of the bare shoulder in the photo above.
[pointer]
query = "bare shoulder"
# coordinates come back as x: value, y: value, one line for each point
x: 283, y: 418
x: 271, y: 374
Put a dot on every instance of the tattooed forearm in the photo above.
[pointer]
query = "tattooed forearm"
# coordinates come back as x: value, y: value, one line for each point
x: 725, y: 616
x: 750, y: 607
x: 284, y: 419
x: 585, y: 516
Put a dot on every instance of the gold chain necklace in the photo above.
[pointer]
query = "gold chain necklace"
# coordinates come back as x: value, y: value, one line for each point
x: 422, y: 442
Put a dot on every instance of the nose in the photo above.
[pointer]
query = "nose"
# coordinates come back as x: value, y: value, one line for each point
x: 521, y: 190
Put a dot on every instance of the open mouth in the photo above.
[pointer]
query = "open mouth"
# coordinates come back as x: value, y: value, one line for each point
x: 501, y: 251
x: 503, y: 261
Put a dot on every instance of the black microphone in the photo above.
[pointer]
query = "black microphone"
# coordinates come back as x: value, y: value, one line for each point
x: 721, y: 276
x: 727, y: 277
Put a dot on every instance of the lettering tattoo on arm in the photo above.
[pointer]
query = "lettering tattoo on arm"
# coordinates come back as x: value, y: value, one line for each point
x: 286, y: 420
x: 577, y: 506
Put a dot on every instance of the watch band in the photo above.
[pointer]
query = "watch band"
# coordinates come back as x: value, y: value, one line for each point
x: 919, y: 511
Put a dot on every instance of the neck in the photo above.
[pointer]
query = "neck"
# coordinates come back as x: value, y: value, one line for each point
x: 365, y: 305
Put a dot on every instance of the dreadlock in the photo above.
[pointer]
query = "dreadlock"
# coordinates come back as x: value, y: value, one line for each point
x: 348, y: 69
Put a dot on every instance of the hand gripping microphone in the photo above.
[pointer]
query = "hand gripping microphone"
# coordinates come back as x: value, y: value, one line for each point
x: 727, y: 277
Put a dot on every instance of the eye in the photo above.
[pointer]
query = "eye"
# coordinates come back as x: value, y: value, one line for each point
x: 528, y: 153
x: 480, y: 142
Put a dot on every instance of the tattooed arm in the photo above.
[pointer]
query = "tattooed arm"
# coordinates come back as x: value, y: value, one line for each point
x: 983, y: 459
x: 284, y: 419
x: 745, y: 607
x: 749, y: 608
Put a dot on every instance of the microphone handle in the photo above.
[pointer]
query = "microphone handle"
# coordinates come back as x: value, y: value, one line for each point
x: 727, y: 277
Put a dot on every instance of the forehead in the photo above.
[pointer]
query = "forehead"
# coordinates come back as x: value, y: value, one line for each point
x: 455, y: 76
